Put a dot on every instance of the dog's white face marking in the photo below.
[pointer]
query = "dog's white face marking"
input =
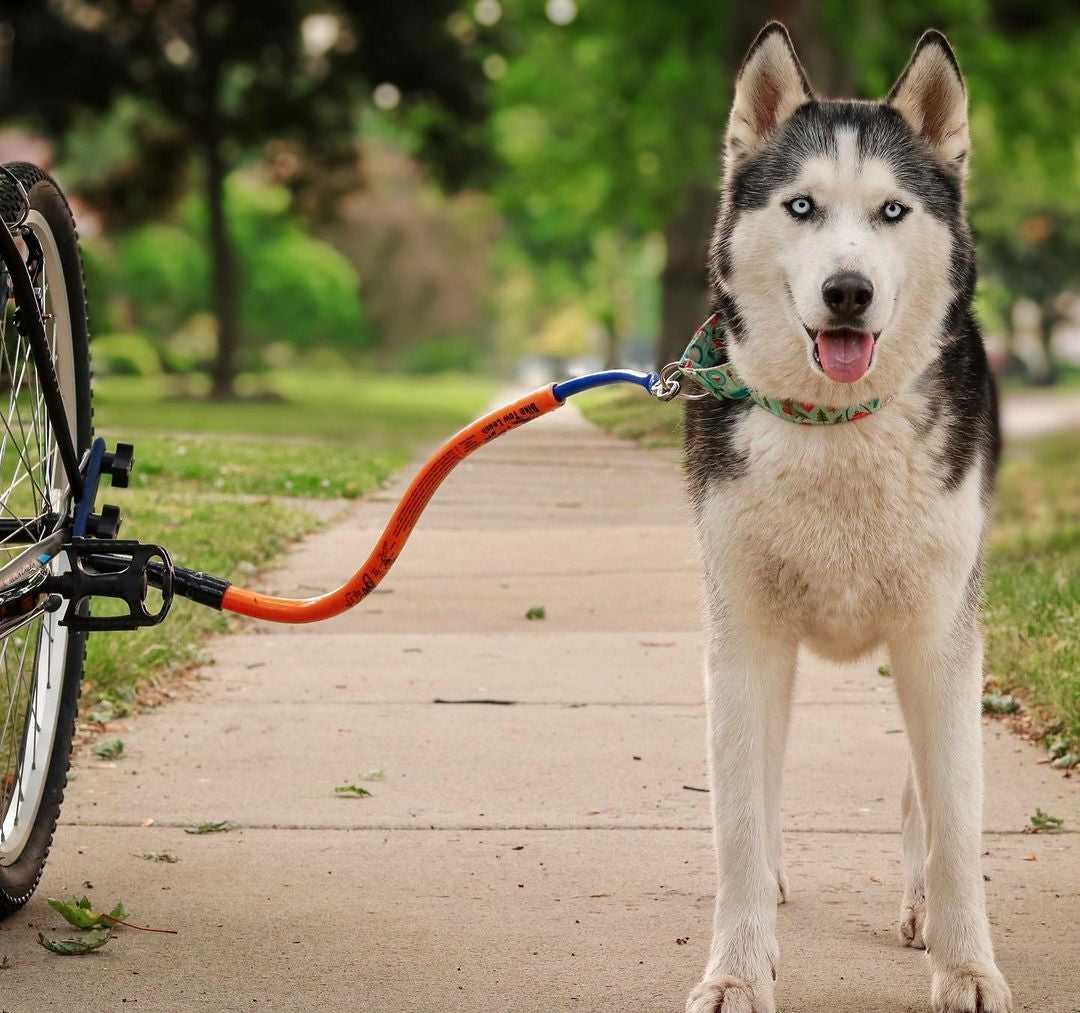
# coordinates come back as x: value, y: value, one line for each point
x: 780, y: 263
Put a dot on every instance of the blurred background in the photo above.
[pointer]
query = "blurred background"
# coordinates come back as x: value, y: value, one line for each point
x: 511, y: 187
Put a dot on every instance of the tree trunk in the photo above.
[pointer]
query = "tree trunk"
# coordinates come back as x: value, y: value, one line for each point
x: 222, y: 256
x: 684, y: 295
x: 223, y: 275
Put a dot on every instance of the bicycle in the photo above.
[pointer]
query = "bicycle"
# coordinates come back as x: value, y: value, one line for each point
x: 58, y: 552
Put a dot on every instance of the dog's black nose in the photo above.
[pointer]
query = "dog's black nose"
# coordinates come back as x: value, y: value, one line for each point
x: 847, y: 294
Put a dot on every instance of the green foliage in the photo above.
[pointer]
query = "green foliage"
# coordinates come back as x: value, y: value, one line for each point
x: 1043, y: 822
x: 292, y: 288
x: 164, y: 273
x: 443, y: 355
x: 300, y: 291
x: 125, y: 353
x: 110, y: 749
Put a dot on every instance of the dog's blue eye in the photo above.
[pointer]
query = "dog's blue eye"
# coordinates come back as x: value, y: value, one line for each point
x: 800, y: 207
x: 893, y: 211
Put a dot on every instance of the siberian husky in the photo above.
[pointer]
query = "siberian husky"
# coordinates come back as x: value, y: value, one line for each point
x: 843, y: 271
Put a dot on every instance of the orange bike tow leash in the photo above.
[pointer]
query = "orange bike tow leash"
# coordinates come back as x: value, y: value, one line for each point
x: 401, y: 524
x: 416, y: 498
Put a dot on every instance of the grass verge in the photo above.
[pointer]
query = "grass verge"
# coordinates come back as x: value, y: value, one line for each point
x: 1033, y: 570
x: 229, y: 504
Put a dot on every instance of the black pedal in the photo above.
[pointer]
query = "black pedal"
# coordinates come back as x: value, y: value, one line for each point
x: 113, y: 569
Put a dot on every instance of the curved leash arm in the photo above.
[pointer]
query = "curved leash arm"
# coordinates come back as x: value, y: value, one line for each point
x: 416, y: 498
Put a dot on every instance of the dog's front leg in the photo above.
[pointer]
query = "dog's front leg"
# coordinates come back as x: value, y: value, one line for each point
x: 939, y: 681
x: 748, y: 687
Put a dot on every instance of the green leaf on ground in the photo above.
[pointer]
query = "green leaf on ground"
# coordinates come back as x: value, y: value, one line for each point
x: 221, y: 827
x: 352, y: 789
x: 5, y: 964
x: 883, y: 671
x: 159, y: 856
x: 110, y: 749
x: 536, y: 612
x: 73, y: 947
x: 1045, y: 822
x: 373, y: 775
x: 1000, y: 703
x: 78, y: 911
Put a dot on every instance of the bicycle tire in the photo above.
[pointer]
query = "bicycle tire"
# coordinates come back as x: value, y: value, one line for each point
x: 33, y: 776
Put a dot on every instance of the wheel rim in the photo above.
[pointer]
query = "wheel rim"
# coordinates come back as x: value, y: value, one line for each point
x: 32, y: 483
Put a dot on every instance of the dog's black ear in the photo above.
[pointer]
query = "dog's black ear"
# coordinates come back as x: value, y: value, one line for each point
x: 771, y: 85
x: 931, y: 96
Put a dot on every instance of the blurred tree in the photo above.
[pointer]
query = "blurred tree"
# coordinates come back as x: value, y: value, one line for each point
x: 613, y: 120
x: 207, y: 81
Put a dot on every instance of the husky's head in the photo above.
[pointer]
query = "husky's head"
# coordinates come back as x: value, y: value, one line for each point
x: 841, y: 256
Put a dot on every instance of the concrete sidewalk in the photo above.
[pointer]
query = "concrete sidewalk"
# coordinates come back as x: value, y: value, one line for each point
x: 537, y: 844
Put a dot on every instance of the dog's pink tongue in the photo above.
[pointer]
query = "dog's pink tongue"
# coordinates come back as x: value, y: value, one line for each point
x: 845, y: 355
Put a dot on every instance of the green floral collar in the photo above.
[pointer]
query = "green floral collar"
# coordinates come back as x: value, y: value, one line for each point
x: 705, y: 362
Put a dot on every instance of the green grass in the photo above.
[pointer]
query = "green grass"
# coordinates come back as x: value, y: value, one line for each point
x: 1033, y: 580
x: 221, y: 486
x: 363, y: 410
x: 633, y: 415
x: 1033, y: 571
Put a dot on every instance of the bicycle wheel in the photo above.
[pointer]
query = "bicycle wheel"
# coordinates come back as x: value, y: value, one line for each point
x: 40, y: 662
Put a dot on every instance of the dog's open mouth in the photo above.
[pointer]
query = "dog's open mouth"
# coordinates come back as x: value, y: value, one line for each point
x: 843, y: 355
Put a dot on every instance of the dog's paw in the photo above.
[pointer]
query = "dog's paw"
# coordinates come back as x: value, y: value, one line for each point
x: 912, y: 916
x: 730, y: 995
x: 973, y: 988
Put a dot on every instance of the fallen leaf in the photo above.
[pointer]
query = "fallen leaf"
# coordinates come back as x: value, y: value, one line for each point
x: 536, y: 612
x: 158, y: 856
x: 110, y: 749
x: 221, y: 827
x: 1030, y: 858
x: 373, y: 775
x: 352, y: 789
x: 599, y: 894
x: 73, y: 947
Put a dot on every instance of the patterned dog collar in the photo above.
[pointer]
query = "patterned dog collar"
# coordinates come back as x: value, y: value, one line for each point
x: 705, y: 362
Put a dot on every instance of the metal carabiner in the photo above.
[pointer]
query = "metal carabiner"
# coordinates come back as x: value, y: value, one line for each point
x: 668, y: 386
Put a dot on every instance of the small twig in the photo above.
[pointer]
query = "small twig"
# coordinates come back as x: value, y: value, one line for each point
x: 139, y: 928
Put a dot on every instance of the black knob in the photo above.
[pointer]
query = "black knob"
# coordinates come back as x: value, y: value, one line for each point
x: 118, y: 464
x: 105, y: 524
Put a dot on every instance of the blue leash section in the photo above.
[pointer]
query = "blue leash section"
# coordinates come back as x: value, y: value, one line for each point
x: 590, y: 381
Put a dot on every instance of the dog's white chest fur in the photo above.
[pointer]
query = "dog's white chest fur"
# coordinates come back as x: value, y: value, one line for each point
x: 836, y: 533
